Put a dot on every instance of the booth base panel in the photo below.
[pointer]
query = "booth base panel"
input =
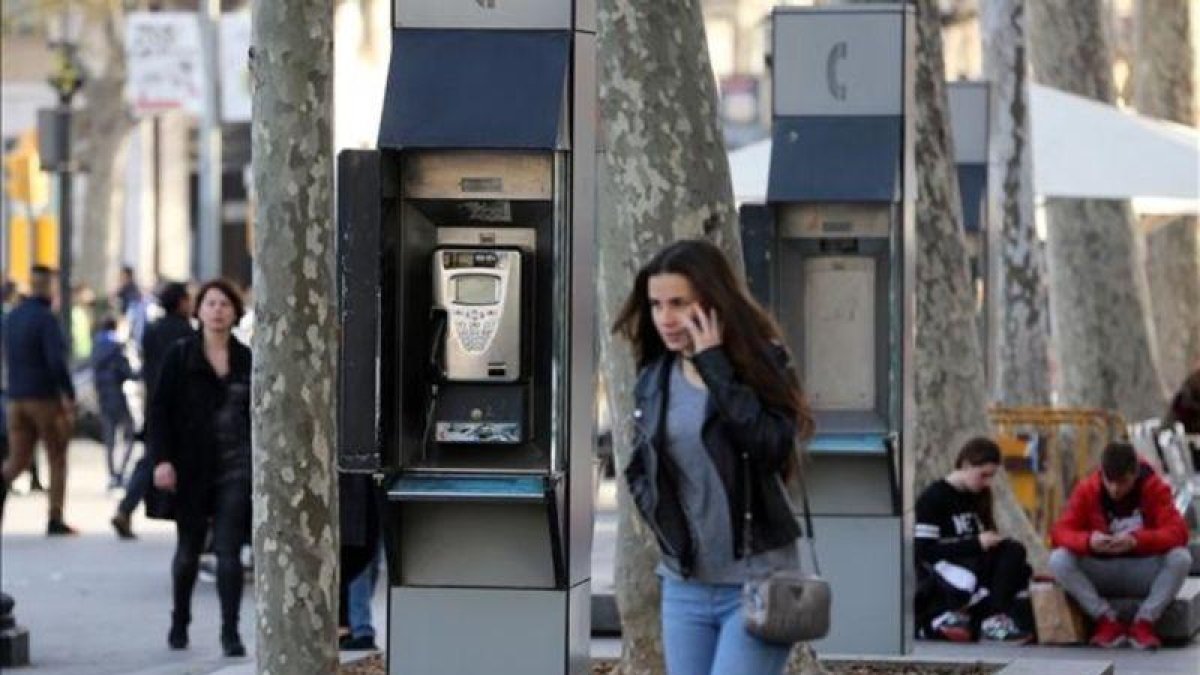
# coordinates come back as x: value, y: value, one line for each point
x: 861, y: 559
x: 499, y: 631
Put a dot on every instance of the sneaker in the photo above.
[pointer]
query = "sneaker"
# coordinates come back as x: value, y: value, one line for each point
x: 1143, y: 636
x: 57, y: 528
x: 1109, y: 633
x: 952, y: 626
x: 1002, y: 628
x: 120, y: 523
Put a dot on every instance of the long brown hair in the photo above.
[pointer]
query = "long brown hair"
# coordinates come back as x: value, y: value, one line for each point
x: 749, y: 337
x: 981, y: 451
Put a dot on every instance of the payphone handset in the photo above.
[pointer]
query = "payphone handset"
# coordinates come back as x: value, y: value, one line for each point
x: 479, y: 289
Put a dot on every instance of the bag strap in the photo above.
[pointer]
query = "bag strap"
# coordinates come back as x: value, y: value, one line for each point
x: 748, y: 517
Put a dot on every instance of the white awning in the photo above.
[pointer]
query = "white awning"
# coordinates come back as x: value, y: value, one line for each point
x: 1081, y: 149
x: 1090, y: 150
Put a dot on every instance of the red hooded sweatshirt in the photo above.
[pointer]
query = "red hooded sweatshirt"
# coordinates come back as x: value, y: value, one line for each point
x: 1147, y: 512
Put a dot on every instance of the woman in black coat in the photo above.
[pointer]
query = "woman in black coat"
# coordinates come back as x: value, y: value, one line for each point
x: 200, y: 440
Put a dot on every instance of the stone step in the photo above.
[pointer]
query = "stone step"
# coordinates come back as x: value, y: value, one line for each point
x: 1180, y: 621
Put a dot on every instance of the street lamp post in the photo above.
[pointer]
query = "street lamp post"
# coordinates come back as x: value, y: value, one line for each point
x: 62, y: 33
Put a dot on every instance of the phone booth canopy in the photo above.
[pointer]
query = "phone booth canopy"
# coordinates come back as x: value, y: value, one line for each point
x: 467, y: 312
x: 832, y: 251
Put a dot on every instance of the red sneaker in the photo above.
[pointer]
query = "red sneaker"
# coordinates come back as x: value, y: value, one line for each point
x: 1109, y: 633
x: 952, y: 627
x: 1143, y: 635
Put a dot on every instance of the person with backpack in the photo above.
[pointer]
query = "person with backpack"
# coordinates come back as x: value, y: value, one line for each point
x: 110, y: 372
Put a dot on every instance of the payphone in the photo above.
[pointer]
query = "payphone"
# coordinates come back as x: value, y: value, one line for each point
x: 831, y: 253
x: 970, y: 114
x: 466, y: 370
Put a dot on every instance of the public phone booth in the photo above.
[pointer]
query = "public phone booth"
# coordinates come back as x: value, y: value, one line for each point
x: 465, y: 264
x: 970, y: 114
x: 831, y: 254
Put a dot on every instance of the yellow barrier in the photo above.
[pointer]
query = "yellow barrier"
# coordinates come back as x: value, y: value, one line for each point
x: 1068, y: 444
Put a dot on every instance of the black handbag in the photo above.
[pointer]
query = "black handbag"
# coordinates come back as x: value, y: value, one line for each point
x: 785, y: 606
x: 160, y: 504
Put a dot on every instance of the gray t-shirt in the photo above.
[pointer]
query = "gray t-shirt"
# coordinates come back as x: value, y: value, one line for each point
x: 703, y: 495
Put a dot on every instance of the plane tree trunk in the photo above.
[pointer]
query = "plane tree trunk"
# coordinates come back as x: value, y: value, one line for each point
x: 1098, y: 289
x: 950, y: 386
x: 1164, y: 86
x: 1017, y: 288
x: 664, y: 176
x: 295, y: 496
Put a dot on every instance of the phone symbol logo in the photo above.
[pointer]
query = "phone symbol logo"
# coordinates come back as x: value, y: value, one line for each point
x: 837, y: 88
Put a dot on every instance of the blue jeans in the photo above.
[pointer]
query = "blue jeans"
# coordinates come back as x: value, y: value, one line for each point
x: 362, y: 590
x: 703, y: 633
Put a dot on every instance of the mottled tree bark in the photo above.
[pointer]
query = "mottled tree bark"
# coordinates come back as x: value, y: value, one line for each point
x: 1017, y: 288
x: 295, y: 501
x: 1098, y: 290
x: 663, y: 176
x: 1164, y: 83
x: 101, y: 136
x: 1164, y: 86
x: 949, y: 377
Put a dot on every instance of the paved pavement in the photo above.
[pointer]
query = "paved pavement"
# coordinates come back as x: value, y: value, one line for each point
x: 95, y: 605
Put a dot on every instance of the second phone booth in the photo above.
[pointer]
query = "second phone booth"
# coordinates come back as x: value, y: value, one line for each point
x: 467, y: 313
x: 831, y: 254
x: 970, y: 116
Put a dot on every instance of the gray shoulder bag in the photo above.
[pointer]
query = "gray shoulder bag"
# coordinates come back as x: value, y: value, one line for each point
x: 785, y: 606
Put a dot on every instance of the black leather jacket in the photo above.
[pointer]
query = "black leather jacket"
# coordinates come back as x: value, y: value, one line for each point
x: 735, y: 422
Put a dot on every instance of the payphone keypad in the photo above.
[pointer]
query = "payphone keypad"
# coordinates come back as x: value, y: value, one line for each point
x: 475, y: 327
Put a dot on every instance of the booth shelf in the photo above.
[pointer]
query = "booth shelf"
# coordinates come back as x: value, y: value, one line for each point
x: 848, y: 444
x: 478, y: 488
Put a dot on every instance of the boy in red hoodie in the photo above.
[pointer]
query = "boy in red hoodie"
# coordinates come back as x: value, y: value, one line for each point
x: 1121, y: 536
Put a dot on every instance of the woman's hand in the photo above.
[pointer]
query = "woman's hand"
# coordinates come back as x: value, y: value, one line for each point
x: 989, y: 539
x: 164, y: 477
x: 704, y: 329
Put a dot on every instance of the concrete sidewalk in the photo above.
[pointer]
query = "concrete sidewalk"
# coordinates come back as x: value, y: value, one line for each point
x: 96, y: 605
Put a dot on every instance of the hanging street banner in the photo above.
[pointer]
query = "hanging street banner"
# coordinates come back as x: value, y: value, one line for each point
x: 235, y: 66
x: 164, y: 61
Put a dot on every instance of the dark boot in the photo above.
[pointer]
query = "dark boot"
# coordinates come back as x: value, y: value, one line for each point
x: 231, y: 643
x: 177, y: 638
x: 121, y: 524
x: 3, y: 496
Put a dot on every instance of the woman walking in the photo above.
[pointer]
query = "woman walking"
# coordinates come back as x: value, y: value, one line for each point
x: 968, y: 575
x: 200, y: 440
x: 715, y: 397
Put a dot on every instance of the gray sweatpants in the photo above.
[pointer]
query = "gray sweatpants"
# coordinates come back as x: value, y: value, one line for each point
x: 1089, y: 580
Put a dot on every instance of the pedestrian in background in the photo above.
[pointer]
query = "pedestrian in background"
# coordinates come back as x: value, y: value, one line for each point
x: 716, y: 407
x: 127, y: 293
x: 969, y: 576
x: 81, y: 322
x: 11, y: 298
x: 1185, y: 405
x: 110, y: 372
x: 199, y: 437
x: 41, y: 396
x: 359, y: 521
x: 175, y: 324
